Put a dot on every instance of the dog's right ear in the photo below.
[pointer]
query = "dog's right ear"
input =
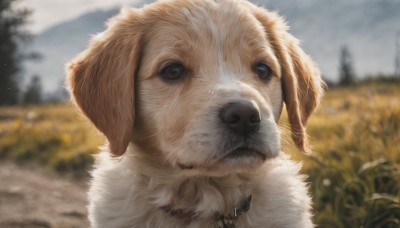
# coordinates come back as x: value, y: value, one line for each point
x: 101, y: 79
x: 301, y: 80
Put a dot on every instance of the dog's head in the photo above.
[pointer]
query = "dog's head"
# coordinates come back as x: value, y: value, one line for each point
x: 199, y: 83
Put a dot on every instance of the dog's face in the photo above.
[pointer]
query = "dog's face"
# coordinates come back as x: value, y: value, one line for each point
x: 199, y: 83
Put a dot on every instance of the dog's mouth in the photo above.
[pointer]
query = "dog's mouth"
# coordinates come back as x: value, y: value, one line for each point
x: 242, y: 152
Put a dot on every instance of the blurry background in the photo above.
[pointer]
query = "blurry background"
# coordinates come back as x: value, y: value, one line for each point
x: 46, y: 147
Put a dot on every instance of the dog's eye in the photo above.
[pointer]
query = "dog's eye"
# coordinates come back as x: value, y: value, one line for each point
x: 173, y: 72
x: 263, y: 71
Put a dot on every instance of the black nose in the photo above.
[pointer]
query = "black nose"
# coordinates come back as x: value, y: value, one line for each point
x: 241, y: 117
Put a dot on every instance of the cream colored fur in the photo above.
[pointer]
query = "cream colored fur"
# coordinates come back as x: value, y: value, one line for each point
x: 127, y: 192
x: 167, y: 145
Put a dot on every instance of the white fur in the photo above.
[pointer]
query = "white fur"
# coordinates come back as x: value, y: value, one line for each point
x: 125, y: 192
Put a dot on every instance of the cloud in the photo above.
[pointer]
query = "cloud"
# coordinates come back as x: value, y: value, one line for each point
x: 49, y: 12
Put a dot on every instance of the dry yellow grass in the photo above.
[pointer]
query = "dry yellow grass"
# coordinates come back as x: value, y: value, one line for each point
x: 54, y: 136
x: 359, y: 118
x: 355, y: 172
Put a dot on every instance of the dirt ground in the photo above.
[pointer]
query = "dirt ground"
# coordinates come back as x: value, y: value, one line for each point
x: 30, y: 197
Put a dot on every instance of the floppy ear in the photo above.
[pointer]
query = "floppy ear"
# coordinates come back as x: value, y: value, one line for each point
x: 101, y: 79
x: 301, y: 81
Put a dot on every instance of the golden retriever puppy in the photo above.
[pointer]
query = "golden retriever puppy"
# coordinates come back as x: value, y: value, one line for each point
x: 188, y: 94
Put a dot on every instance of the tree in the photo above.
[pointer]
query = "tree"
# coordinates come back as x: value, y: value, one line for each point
x: 12, y: 34
x: 33, y: 94
x: 346, y: 69
x: 397, y: 56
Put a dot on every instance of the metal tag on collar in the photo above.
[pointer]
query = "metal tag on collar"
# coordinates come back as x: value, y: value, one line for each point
x: 229, y: 221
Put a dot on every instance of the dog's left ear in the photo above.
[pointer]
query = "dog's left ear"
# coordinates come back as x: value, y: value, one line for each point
x: 101, y: 79
x: 301, y: 81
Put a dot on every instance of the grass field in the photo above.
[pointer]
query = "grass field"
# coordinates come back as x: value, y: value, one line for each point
x: 355, y: 170
x: 55, y: 137
x: 354, y: 173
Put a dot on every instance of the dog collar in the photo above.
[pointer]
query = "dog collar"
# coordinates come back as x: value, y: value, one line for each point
x: 187, y: 216
x: 229, y: 220
x: 221, y: 220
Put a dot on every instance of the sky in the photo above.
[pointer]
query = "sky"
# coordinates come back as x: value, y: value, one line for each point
x: 50, y: 12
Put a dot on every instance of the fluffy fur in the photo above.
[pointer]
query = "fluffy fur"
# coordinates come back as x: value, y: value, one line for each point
x: 167, y: 145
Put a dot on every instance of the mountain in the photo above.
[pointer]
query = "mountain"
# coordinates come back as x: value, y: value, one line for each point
x: 61, y: 43
x: 367, y: 27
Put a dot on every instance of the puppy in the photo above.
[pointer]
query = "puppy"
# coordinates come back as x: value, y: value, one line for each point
x: 188, y: 94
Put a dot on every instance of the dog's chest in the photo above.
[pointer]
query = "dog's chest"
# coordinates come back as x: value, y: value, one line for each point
x: 120, y: 197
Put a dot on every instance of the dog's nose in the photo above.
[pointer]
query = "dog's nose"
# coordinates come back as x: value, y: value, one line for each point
x: 241, y: 117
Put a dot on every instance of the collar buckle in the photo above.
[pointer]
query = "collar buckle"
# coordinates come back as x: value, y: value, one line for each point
x: 229, y: 221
